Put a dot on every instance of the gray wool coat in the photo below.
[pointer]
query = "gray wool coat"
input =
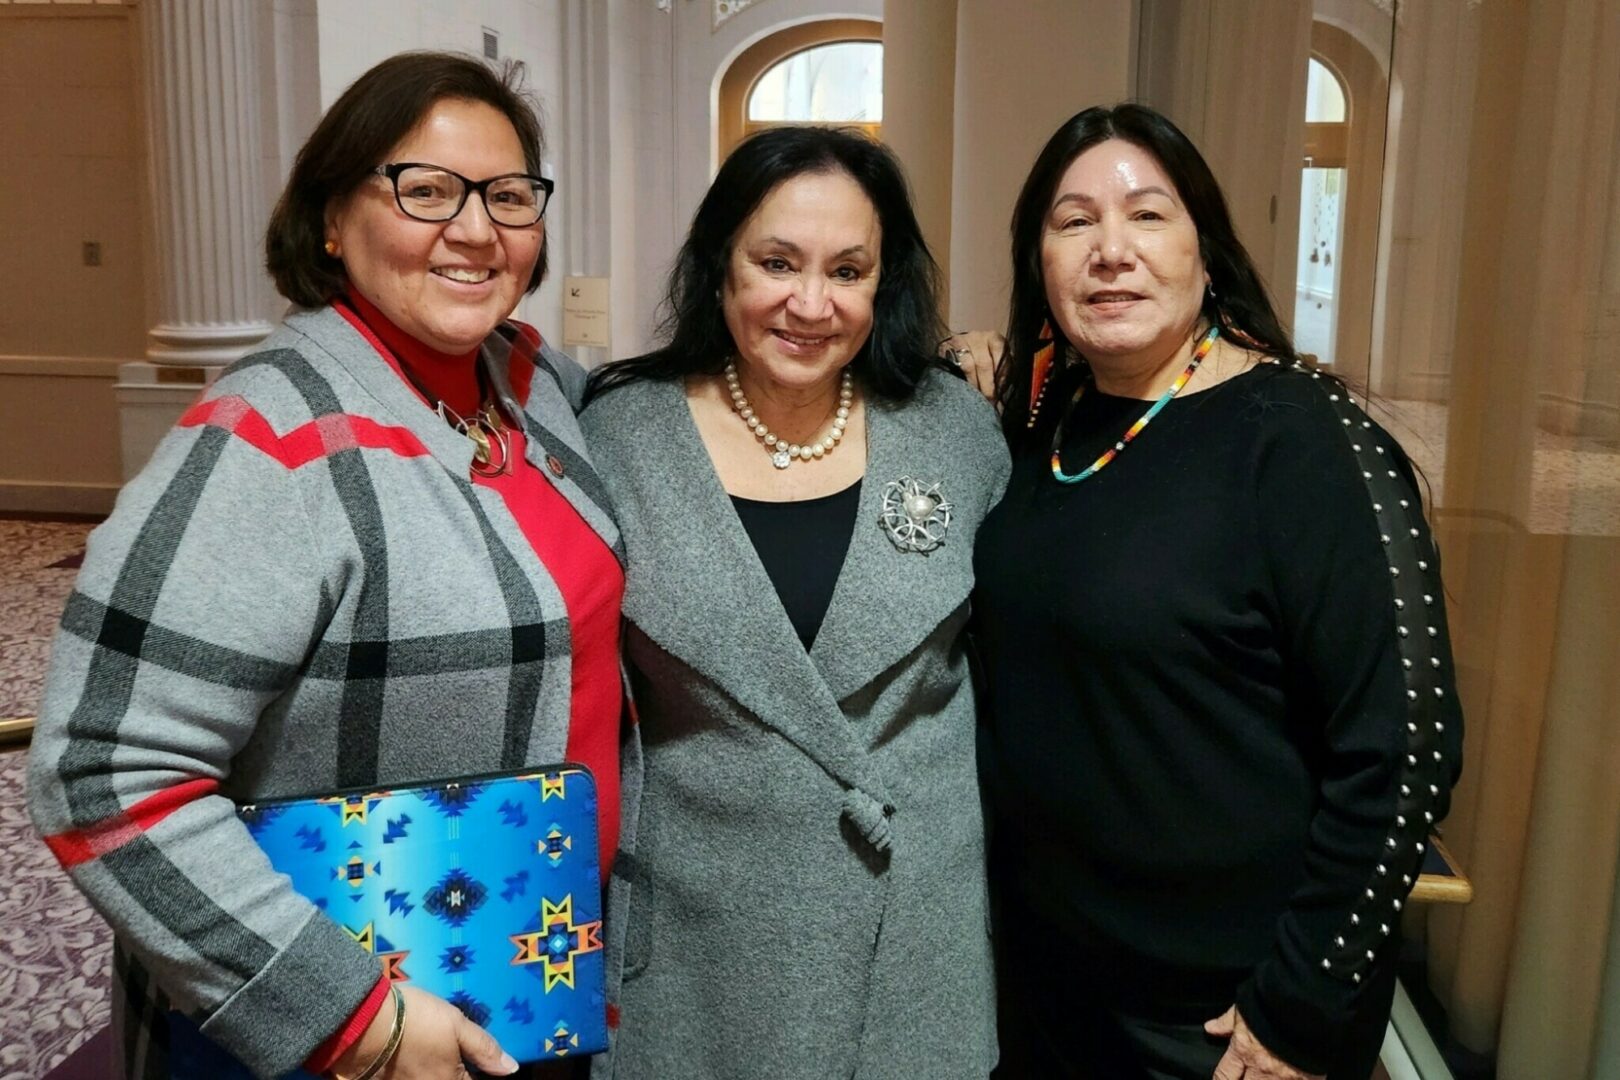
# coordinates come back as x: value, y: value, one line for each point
x: 805, y: 877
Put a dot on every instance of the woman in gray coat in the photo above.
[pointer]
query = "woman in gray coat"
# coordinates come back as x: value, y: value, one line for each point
x: 798, y: 485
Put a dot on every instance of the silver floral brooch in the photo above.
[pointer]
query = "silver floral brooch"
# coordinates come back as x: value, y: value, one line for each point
x: 915, y: 515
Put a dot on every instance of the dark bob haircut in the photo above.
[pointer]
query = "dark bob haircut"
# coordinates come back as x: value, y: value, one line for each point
x: 905, y: 313
x: 1236, y: 300
x: 378, y: 110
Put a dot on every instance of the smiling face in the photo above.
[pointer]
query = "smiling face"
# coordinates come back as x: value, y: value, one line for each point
x: 801, y: 281
x: 1120, y: 259
x: 446, y: 283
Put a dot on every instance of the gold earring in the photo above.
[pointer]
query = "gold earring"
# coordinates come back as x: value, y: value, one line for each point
x: 332, y: 248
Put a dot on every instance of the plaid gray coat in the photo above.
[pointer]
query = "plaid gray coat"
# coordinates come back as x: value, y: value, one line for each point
x: 301, y: 592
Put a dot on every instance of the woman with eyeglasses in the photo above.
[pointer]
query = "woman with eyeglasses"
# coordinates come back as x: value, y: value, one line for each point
x: 374, y: 553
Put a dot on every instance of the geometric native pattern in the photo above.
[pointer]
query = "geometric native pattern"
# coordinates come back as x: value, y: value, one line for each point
x: 441, y: 882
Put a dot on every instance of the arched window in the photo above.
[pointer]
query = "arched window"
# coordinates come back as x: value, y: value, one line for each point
x: 826, y: 72
x: 1321, y: 213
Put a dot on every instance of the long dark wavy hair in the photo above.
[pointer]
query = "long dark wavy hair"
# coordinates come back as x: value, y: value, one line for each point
x: 905, y: 314
x: 1236, y: 299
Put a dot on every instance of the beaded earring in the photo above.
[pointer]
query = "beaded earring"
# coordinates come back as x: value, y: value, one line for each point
x: 1041, y: 369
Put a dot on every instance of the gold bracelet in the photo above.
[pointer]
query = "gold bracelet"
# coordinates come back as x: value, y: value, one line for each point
x: 395, y: 1036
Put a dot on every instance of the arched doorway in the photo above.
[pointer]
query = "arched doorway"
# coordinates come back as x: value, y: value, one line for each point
x: 1341, y: 189
x: 1321, y: 213
x: 825, y: 72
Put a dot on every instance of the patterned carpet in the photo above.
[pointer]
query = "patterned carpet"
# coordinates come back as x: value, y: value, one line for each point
x: 55, y: 953
x: 38, y: 562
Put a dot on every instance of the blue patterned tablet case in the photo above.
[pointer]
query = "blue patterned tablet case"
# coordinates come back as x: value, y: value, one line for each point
x: 486, y: 892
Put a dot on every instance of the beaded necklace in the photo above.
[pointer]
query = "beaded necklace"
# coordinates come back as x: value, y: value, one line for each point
x: 1204, y: 346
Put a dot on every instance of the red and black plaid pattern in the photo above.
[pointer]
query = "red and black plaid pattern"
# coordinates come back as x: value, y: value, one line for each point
x: 302, y: 592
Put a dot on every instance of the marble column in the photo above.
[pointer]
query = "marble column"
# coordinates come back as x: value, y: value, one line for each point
x: 209, y: 205
x: 208, y: 186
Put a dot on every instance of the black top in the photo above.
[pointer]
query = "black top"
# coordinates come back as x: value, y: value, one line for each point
x: 1198, y: 731
x: 802, y: 545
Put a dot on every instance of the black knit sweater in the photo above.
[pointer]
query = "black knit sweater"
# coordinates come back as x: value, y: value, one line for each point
x: 1205, y: 732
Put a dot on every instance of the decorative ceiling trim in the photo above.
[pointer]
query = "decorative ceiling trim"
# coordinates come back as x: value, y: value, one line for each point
x: 725, y: 10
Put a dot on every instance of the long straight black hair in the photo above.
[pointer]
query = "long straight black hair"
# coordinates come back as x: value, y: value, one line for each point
x: 905, y: 315
x: 1236, y: 299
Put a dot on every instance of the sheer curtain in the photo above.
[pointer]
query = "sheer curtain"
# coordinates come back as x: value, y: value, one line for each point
x: 1497, y: 349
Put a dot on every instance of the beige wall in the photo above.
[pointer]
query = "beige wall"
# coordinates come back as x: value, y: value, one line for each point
x: 70, y: 137
x: 71, y: 141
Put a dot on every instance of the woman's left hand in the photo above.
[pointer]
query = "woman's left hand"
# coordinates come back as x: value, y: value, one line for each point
x: 1245, y: 1058
x: 978, y: 353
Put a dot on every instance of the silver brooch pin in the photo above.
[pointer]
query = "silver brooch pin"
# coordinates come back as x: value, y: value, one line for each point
x: 915, y: 515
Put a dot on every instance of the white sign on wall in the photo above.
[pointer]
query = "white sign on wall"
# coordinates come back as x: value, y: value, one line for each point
x: 585, y: 311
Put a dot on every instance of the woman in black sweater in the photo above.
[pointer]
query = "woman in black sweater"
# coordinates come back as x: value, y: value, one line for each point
x: 1222, y: 714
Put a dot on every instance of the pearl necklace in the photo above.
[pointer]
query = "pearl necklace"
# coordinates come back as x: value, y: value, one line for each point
x: 784, y: 453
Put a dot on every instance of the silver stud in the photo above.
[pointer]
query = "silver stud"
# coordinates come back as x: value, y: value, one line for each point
x: 1371, y: 955
x: 1411, y: 760
x: 1411, y: 728
x: 1355, y: 920
x: 1346, y: 423
x: 1428, y: 598
x: 1338, y: 942
x: 1420, y: 847
x: 1383, y: 928
x: 1439, y: 727
x: 1392, y: 474
x: 1428, y: 817
x: 1378, y: 449
x: 1394, y: 571
x: 1406, y: 792
x: 1366, y: 476
x: 1405, y: 663
x: 1356, y: 975
x: 1414, y: 533
x: 1327, y: 965
x: 1366, y: 423
x: 1397, y: 903
x: 1356, y: 447
x: 1437, y: 756
x: 1433, y: 632
x: 1438, y: 692
x: 1390, y: 843
x: 1333, y: 397
x: 1422, y: 565
x: 1411, y: 695
x: 1383, y: 538
x: 1434, y: 662
x: 1400, y: 605
x: 1371, y: 895
x: 1401, y: 630
x: 1383, y: 870
x: 1406, y: 879
x: 1434, y: 789
x: 1378, y: 508
x: 1405, y: 505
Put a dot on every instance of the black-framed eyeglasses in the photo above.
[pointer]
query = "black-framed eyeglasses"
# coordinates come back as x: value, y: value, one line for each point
x: 433, y: 193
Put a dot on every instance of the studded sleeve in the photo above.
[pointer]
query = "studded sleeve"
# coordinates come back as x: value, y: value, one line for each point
x: 1360, y: 614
